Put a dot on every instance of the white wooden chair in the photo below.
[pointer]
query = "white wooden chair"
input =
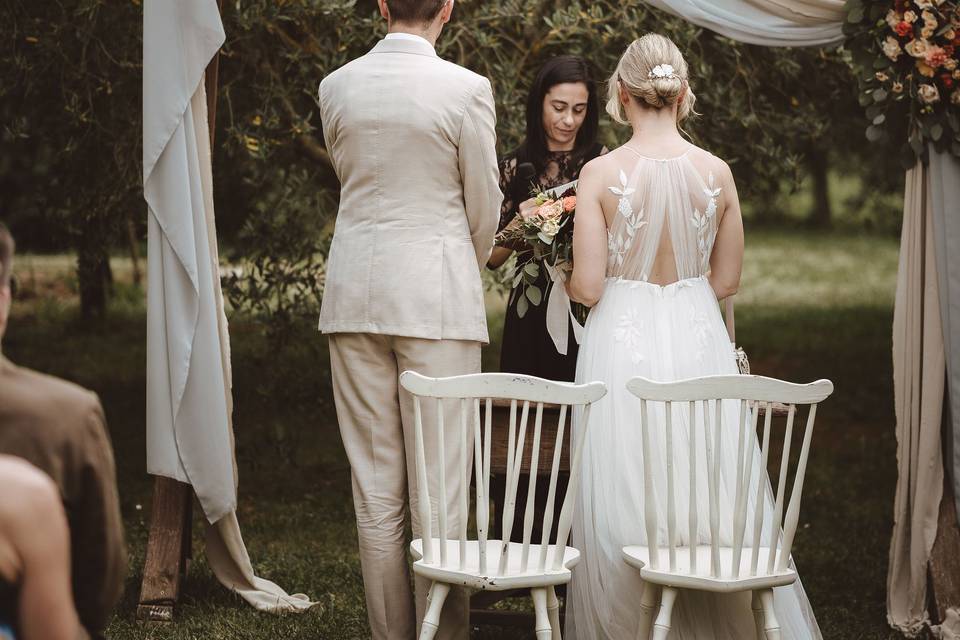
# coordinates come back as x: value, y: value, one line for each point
x: 713, y: 566
x: 483, y: 563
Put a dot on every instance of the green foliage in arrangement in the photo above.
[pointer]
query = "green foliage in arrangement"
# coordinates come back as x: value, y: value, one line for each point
x: 904, y: 51
x: 70, y: 75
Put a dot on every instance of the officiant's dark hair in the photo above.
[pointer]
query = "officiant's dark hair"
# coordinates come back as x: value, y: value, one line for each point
x: 558, y: 70
x: 414, y: 11
x: 6, y: 255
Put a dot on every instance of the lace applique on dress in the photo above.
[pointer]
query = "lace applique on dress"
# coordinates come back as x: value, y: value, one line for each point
x: 704, y: 223
x: 620, y: 243
x: 629, y: 332
x: 702, y: 332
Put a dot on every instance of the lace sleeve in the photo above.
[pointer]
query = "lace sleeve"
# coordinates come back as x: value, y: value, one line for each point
x: 508, y: 171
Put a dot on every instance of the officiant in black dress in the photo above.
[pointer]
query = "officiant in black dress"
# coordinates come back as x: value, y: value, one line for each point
x: 562, y: 124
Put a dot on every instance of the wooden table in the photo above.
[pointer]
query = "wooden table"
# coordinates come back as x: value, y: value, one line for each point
x: 480, y: 612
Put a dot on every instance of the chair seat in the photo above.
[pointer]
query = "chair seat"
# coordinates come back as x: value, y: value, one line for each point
x: 682, y: 577
x: 515, y: 576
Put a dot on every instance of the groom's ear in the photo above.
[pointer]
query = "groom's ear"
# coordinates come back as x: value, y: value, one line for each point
x: 446, y: 12
x: 384, y: 11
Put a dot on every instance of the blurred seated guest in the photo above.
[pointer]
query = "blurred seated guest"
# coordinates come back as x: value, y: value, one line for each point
x: 562, y: 123
x: 60, y: 428
x: 35, y: 598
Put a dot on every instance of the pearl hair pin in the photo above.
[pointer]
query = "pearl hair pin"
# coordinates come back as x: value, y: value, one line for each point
x: 662, y: 71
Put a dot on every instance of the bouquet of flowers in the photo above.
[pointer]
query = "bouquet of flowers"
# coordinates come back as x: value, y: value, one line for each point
x: 545, y: 241
x: 906, y: 53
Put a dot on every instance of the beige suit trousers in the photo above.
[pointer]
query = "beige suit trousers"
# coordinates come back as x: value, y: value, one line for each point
x: 377, y: 428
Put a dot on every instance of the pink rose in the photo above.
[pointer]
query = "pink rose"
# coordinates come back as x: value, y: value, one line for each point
x: 569, y: 203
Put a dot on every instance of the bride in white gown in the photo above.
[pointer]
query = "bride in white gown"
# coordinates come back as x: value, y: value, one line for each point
x: 658, y: 240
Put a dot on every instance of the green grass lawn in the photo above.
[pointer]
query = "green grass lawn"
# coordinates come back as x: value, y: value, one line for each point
x: 811, y: 306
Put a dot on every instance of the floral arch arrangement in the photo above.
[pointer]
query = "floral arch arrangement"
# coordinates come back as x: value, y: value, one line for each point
x: 906, y: 53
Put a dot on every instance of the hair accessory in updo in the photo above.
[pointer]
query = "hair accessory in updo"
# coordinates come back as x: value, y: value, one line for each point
x: 662, y: 71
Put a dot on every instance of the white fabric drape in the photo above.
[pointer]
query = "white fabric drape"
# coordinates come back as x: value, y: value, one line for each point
x: 918, y: 377
x: 189, y: 403
x: 944, y: 196
x: 775, y: 23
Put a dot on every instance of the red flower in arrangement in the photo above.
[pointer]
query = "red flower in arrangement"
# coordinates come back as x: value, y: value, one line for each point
x: 947, y: 80
x: 949, y: 49
x: 904, y: 28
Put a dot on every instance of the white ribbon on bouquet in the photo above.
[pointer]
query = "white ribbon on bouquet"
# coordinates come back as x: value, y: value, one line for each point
x: 558, y: 310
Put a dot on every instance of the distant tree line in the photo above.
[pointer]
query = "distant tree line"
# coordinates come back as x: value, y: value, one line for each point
x: 70, y: 106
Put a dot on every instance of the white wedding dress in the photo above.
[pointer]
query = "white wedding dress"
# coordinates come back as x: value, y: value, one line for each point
x: 663, y: 333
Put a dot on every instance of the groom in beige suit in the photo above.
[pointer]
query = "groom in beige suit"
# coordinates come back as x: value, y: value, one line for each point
x: 412, y: 140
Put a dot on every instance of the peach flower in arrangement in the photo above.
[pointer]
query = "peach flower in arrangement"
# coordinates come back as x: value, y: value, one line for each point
x: 893, y: 19
x: 955, y: 97
x: 569, y: 203
x: 910, y: 16
x: 897, y: 87
x: 925, y: 70
x: 950, y: 64
x: 935, y: 57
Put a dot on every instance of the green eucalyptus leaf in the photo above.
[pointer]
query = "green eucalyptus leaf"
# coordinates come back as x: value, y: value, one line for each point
x: 532, y: 269
x: 534, y: 295
x: 522, y: 305
x: 880, y: 119
x: 879, y: 95
x: 936, y: 132
x: 874, y: 133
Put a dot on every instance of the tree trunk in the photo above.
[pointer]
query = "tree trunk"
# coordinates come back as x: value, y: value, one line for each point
x: 820, y: 216
x: 93, y: 272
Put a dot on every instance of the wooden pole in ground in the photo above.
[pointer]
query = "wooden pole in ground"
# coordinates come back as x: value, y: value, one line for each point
x: 171, y: 517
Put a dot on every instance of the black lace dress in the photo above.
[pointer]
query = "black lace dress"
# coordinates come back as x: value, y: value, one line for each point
x: 527, y: 347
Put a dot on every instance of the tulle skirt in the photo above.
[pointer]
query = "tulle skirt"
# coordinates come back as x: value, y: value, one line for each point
x: 662, y: 333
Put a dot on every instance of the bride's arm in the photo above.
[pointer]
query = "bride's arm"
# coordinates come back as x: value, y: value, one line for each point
x: 726, y: 260
x: 589, y: 240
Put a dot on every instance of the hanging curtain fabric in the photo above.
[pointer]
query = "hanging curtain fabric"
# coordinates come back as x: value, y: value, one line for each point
x: 189, y: 402
x: 918, y: 378
x: 944, y: 196
x: 775, y: 23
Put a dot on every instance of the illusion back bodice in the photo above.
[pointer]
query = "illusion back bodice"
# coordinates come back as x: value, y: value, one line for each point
x: 663, y: 206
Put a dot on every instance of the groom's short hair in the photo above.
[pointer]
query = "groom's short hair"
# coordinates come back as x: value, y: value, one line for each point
x: 414, y: 10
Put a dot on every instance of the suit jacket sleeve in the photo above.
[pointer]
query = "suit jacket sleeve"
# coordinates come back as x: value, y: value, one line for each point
x: 100, y: 560
x: 478, y: 170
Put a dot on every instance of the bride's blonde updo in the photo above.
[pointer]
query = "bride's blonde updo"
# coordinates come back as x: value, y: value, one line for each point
x: 643, y: 72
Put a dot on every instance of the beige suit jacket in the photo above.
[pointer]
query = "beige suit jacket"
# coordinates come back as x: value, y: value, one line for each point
x: 60, y: 428
x: 412, y: 140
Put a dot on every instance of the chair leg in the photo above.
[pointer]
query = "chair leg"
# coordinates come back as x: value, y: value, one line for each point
x: 649, y: 602
x: 553, y: 612
x: 758, y: 618
x: 661, y: 628
x: 771, y: 625
x: 431, y: 620
x: 543, y: 628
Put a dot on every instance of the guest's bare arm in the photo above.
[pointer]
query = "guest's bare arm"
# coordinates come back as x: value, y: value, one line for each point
x: 32, y: 519
x: 726, y: 260
x: 589, y: 240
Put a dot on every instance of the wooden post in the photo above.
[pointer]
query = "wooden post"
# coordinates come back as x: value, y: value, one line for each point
x: 171, y: 517
x: 945, y: 557
x: 168, y: 548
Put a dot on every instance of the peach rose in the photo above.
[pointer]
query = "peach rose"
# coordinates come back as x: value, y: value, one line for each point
x: 955, y: 97
x: 891, y: 48
x: 569, y: 203
x: 910, y: 16
x: 925, y: 69
x: 935, y: 57
x: 897, y: 87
